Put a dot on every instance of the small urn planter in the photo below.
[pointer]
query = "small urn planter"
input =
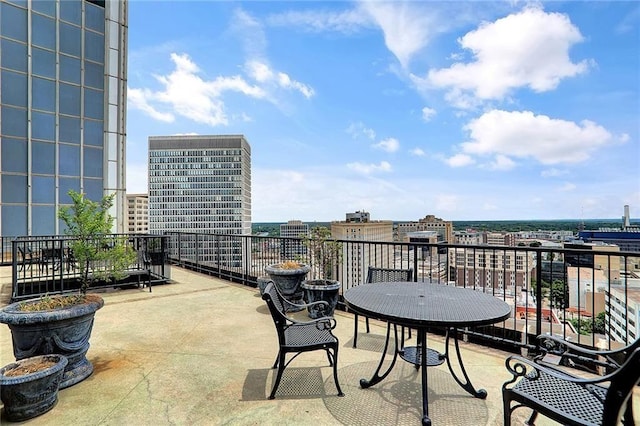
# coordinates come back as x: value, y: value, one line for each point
x: 321, y: 290
x: 288, y: 277
x: 28, y: 390
x: 65, y: 331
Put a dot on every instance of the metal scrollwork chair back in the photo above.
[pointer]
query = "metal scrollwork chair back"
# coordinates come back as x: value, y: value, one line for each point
x: 379, y: 275
x: 300, y: 336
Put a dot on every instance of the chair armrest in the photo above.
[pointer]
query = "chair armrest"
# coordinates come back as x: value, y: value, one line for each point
x: 520, y: 367
x: 570, y: 353
x: 323, y: 323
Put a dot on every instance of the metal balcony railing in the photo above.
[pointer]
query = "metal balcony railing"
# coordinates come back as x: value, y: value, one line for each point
x: 46, y: 265
x: 588, y: 294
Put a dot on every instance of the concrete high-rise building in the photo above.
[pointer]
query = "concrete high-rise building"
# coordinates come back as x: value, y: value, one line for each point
x: 201, y: 184
x: 356, y: 259
x: 63, y: 109
x: 293, y: 229
x: 137, y: 213
x: 444, y: 228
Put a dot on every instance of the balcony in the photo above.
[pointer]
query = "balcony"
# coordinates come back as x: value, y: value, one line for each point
x: 199, y: 350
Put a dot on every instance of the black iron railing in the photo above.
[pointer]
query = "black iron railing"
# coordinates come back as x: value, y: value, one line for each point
x: 584, y: 293
x: 47, y: 265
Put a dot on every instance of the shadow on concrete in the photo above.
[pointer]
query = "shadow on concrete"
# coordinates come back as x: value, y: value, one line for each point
x: 296, y: 383
x: 397, y: 399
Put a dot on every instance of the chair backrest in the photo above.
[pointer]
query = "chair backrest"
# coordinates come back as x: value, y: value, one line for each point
x: 273, y: 298
x: 623, y: 381
x: 380, y: 275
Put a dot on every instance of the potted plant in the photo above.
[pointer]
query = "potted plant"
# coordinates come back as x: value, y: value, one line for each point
x: 287, y: 276
x: 29, y: 387
x: 326, y: 255
x: 62, y: 324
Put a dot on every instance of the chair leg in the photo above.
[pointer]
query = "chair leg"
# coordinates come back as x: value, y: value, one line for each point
x: 335, y: 370
x: 355, y: 330
x: 331, y: 361
x: 627, y: 418
x: 532, y: 418
x: 280, y: 363
x: 506, y: 410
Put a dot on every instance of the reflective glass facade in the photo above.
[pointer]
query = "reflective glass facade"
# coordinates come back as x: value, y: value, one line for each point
x: 60, y: 61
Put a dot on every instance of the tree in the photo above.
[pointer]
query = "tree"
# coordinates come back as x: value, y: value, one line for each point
x: 326, y: 253
x: 99, y: 254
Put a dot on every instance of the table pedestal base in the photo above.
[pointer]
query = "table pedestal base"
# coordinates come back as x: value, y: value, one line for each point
x: 424, y: 357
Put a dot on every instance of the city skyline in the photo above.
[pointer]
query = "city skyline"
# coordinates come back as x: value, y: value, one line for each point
x: 464, y: 110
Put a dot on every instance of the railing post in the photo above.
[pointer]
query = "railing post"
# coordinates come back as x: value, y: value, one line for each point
x: 14, y: 270
x: 538, y: 293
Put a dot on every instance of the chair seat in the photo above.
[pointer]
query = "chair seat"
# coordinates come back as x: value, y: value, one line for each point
x: 307, y: 335
x: 566, y: 398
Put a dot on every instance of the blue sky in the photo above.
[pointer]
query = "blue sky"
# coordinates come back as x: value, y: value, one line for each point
x: 464, y: 110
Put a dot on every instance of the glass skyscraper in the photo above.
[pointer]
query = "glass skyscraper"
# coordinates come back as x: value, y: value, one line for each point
x: 63, y: 109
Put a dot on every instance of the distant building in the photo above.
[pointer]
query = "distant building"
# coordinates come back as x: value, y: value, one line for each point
x: 137, y: 213
x: 356, y: 259
x: 443, y: 228
x: 468, y: 237
x: 293, y: 229
x: 202, y: 184
x: 623, y: 309
x: 499, y: 238
x: 63, y: 66
x: 496, y: 272
x: 627, y: 237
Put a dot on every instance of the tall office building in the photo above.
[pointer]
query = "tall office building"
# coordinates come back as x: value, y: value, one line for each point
x: 138, y: 213
x: 201, y: 184
x: 63, y: 109
x: 356, y: 259
x: 293, y: 229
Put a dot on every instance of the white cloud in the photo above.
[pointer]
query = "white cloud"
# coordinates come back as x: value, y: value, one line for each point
x: 358, y: 129
x: 428, y: 113
x: 527, y: 49
x: 137, y: 99
x: 502, y: 162
x: 460, y: 160
x: 187, y: 94
x: 418, y: 152
x: 388, y: 145
x: 262, y: 73
x: 347, y: 22
x: 370, y: 168
x: 525, y: 135
x: 407, y: 28
x: 567, y: 187
x: 553, y: 173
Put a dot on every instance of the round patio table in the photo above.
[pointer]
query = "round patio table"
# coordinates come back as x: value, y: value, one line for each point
x: 422, y: 305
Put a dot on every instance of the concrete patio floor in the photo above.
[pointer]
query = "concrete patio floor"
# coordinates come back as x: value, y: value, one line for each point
x: 199, y: 351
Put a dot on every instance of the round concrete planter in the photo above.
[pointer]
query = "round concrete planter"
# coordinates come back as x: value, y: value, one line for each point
x: 30, y: 395
x: 321, y: 290
x: 288, y: 283
x: 64, y: 331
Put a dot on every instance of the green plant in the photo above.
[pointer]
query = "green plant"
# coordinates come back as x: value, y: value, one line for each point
x: 325, y: 252
x: 99, y: 254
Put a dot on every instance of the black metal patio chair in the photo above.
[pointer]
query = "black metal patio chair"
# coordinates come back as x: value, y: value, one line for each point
x: 379, y: 275
x: 568, y: 398
x: 27, y: 258
x: 297, y: 336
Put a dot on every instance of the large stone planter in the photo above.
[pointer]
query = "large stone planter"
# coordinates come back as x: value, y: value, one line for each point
x: 288, y: 283
x: 29, y: 395
x: 64, y: 331
x: 321, y: 290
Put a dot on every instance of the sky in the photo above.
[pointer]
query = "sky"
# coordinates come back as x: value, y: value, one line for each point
x: 466, y: 110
